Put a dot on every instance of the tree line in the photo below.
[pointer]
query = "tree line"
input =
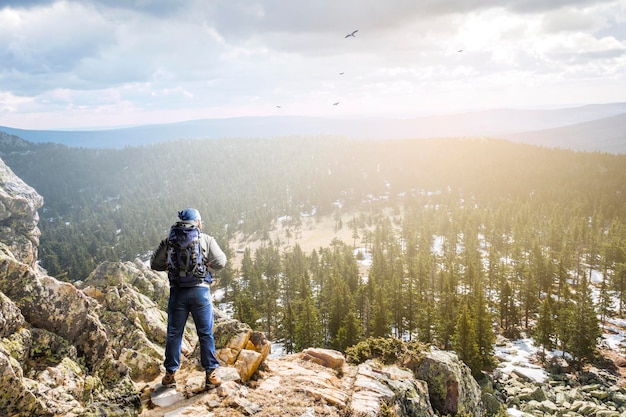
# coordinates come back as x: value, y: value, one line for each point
x: 447, y: 273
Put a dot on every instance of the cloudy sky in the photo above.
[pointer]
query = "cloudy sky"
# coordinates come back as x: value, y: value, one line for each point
x: 111, y: 63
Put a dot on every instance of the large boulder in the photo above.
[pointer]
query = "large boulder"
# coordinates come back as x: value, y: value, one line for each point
x: 131, y: 296
x: 56, y: 355
x: 11, y: 318
x: 239, y: 346
x: 151, y: 284
x: 326, y: 357
x: 382, y: 389
x: 56, y: 306
x: 451, y: 387
x: 18, y: 216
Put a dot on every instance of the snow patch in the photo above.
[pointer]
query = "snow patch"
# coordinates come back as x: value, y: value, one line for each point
x: 518, y: 357
x: 363, y: 256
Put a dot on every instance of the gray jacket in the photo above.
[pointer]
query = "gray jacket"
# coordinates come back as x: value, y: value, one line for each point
x: 214, y: 256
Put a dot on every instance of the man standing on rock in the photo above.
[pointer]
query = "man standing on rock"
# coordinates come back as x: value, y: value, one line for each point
x: 187, y: 254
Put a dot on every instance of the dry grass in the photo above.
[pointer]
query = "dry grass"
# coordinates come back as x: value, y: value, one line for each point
x: 314, y: 234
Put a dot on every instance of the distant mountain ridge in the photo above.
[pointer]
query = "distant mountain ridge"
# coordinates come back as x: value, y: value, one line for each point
x: 596, y: 127
x: 604, y: 135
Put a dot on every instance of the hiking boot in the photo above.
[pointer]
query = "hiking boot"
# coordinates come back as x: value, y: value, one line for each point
x: 168, y: 380
x: 212, y: 379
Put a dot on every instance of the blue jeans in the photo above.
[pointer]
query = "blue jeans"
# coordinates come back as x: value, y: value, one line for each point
x: 197, y: 301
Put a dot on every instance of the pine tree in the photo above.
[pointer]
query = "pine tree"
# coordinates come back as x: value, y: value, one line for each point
x: 563, y: 288
x: 397, y: 290
x: 528, y: 294
x: 447, y: 313
x: 355, y: 233
x: 585, y: 329
x: 483, y: 329
x: 464, y: 340
x: 245, y: 306
x: 545, y: 329
x: 426, y: 318
x: 508, y: 309
x: 289, y: 329
x: 540, y: 271
x: 619, y: 283
x: 308, y: 329
x: 605, y: 301
x: 564, y: 324
x: 412, y: 297
x: 380, y: 315
x: 342, y: 304
x: 349, y: 333
x: 268, y: 261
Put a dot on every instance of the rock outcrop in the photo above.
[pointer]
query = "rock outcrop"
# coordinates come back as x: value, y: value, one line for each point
x: 317, y: 382
x: 18, y: 216
x: 451, y: 387
x: 56, y: 357
x: 566, y: 392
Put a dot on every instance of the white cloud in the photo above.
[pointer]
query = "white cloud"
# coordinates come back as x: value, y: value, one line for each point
x: 237, y: 58
x: 10, y: 103
x: 570, y: 20
x: 52, y: 39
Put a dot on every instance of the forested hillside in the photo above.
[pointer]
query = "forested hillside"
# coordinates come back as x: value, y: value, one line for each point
x: 518, y: 229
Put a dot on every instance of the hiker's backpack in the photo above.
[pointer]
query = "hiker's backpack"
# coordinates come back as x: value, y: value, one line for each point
x: 185, y: 262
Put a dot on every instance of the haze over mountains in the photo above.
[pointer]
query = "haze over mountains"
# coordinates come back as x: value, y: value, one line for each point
x: 596, y: 127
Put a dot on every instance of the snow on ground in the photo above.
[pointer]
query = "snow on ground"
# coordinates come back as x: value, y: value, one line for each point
x: 596, y: 276
x: 518, y: 357
x: 218, y: 300
x: 365, y: 254
x: 613, y: 335
x: 218, y: 294
x: 278, y: 350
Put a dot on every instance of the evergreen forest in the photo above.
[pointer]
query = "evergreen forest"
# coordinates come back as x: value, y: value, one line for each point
x: 469, y: 238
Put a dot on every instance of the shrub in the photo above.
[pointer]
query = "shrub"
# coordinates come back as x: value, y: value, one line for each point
x: 385, y: 349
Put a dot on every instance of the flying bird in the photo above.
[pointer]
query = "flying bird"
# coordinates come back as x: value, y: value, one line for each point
x: 460, y: 50
x: 341, y: 73
x: 334, y: 104
x: 351, y: 34
x: 278, y: 107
